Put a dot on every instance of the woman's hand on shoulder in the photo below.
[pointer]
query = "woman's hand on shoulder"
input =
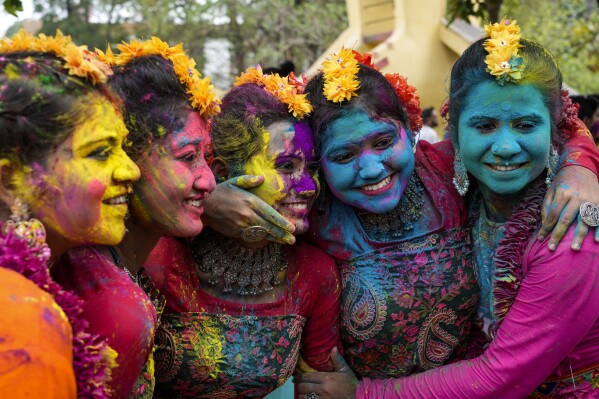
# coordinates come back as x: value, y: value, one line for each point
x: 339, y: 384
x: 230, y: 209
x: 572, y: 186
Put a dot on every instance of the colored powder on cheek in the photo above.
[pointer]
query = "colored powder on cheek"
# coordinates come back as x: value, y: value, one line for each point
x: 271, y: 191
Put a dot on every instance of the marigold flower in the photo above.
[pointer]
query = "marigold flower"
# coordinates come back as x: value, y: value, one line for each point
x: 341, y: 88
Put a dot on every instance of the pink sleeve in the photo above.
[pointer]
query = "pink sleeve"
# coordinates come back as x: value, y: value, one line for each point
x: 321, y: 332
x: 580, y: 150
x: 556, y: 306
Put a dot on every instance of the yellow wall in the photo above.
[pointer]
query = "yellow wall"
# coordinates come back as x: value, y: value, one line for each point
x: 418, y: 45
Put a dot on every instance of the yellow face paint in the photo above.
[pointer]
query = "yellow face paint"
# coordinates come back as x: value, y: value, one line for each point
x: 80, y: 191
x: 263, y: 164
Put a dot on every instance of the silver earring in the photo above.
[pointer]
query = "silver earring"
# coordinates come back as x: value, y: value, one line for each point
x: 552, y: 165
x: 460, y: 177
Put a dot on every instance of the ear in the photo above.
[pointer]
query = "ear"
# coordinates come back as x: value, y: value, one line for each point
x: 7, y: 175
x: 220, y: 169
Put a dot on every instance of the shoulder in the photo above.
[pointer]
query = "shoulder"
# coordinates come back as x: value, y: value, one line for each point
x: 313, y: 264
x: 573, y: 267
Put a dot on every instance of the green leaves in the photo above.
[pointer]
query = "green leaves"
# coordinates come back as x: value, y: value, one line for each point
x: 12, y: 6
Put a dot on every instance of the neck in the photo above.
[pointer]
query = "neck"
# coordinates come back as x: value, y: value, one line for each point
x: 137, y: 245
x: 58, y: 244
x: 499, y: 208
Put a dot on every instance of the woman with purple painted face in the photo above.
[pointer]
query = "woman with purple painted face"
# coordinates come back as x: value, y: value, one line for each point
x: 240, y: 312
x: 539, y: 309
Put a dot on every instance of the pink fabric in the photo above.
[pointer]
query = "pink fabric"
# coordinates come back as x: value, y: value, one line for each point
x: 313, y: 291
x: 552, y: 328
x: 116, y: 308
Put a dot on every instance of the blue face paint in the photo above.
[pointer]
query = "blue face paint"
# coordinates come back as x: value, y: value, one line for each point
x: 504, y: 137
x: 366, y: 162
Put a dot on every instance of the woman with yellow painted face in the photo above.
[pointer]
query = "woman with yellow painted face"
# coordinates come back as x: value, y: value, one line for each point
x: 239, y: 312
x: 62, y: 163
x: 166, y: 107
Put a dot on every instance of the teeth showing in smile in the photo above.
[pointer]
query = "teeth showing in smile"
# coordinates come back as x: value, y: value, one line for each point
x: 121, y: 199
x: 196, y: 203
x: 503, y: 168
x: 378, y: 185
x: 298, y: 205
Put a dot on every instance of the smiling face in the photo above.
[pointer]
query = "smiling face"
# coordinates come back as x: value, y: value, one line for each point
x: 367, y: 163
x: 175, y: 180
x: 504, y: 136
x: 288, y: 164
x: 80, y: 194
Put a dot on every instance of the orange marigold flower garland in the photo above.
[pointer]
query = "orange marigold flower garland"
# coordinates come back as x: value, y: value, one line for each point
x: 408, y: 97
x: 502, y: 45
x: 288, y: 92
x: 202, y: 96
x: 78, y: 60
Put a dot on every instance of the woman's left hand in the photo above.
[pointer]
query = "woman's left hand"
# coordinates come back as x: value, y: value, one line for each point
x: 572, y: 186
x: 340, y: 384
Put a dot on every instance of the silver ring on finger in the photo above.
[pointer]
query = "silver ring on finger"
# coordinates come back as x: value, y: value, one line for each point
x: 589, y: 213
x: 253, y: 234
x: 311, y: 395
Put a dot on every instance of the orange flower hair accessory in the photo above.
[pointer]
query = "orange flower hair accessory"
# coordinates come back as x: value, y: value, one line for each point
x: 202, y: 96
x: 288, y: 92
x: 78, y: 60
x: 340, y: 76
x: 502, y: 44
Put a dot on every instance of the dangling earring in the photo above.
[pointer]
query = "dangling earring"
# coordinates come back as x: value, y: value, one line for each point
x: 552, y: 165
x: 460, y: 178
x: 30, y: 229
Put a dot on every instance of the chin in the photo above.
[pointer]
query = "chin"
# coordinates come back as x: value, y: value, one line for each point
x: 301, y: 226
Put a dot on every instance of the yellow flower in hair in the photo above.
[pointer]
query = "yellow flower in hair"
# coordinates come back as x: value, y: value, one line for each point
x: 107, y: 57
x: 341, y: 88
x: 250, y: 75
x: 502, y: 39
x: 277, y: 84
x: 298, y: 105
x: 201, y: 92
x: 502, y: 45
x: 21, y: 41
x: 342, y: 63
x: 506, y: 25
x: 129, y: 51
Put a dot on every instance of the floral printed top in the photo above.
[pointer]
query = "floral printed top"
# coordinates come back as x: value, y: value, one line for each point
x: 409, y: 305
x: 212, y: 348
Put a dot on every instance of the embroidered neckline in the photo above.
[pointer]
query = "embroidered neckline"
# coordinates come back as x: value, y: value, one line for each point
x: 392, y: 225
x: 248, y: 271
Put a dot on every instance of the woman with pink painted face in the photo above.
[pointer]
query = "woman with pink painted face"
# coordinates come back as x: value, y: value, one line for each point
x: 166, y: 112
x: 240, y: 312
x: 65, y: 178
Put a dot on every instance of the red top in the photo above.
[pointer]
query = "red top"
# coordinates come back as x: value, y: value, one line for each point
x: 116, y: 308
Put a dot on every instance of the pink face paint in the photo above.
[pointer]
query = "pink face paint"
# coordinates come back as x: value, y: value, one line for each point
x: 175, y: 181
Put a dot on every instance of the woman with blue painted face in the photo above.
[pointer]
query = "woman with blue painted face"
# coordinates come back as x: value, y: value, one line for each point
x: 539, y: 308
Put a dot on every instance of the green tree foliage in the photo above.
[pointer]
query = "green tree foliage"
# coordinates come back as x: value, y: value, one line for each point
x: 569, y: 29
x: 258, y: 31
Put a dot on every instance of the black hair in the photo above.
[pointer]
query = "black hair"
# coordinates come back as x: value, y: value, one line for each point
x: 376, y: 96
x: 41, y: 104
x: 155, y: 101
x: 237, y: 131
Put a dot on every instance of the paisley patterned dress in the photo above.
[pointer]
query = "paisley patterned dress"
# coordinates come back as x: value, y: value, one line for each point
x: 407, y: 306
x: 212, y: 348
